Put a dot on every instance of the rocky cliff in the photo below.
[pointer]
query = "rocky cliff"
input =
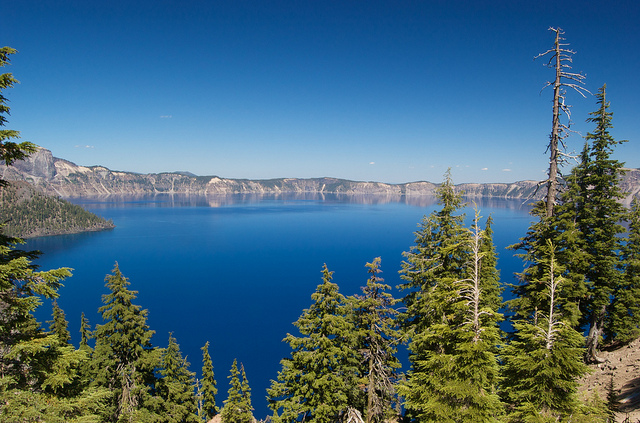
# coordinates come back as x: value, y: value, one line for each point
x: 60, y: 177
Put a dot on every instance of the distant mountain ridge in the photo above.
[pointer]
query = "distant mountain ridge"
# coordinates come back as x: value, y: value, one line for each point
x: 55, y: 176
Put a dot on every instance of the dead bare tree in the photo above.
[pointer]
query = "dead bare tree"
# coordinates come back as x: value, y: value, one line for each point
x: 560, y: 58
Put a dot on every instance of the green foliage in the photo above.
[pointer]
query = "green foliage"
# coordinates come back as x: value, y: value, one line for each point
x: 208, y: 390
x: 592, y: 201
x: 377, y: 340
x: 237, y: 407
x: 176, y: 386
x: 319, y: 381
x: 30, y: 213
x: 625, y: 309
x: 59, y: 325
x: 85, y: 332
x: 39, y: 372
x: 452, y: 318
x: 124, y: 360
x: 544, y: 360
x: 10, y: 151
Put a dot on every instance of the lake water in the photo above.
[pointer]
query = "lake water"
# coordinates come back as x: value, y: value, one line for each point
x: 238, y: 270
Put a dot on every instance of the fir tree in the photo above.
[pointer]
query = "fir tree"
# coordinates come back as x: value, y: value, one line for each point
x: 438, y: 256
x: 625, y: 309
x: 246, y: 391
x: 124, y: 360
x: 544, y: 360
x: 208, y: 388
x: 378, y: 337
x: 237, y: 407
x: 176, y: 386
x: 85, y: 332
x: 600, y: 225
x: 454, y: 374
x: 59, y: 325
x: 529, y: 294
x: 38, y: 372
x: 318, y: 383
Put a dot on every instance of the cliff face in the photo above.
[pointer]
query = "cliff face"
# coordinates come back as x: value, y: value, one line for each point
x: 62, y: 178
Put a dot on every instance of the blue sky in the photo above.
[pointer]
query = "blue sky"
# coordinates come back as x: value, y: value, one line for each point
x: 390, y: 91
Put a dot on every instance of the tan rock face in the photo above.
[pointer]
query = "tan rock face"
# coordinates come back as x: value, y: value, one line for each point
x: 60, y: 177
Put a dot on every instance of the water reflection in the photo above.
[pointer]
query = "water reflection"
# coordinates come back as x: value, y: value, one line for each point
x: 225, y: 200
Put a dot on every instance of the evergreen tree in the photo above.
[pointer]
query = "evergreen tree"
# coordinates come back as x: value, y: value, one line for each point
x: 237, y: 407
x: 59, y: 325
x: 625, y: 309
x: 85, y: 370
x: 208, y: 388
x: 10, y: 151
x: 124, y: 360
x: 38, y: 372
x: 176, y: 386
x: 600, y: 225
x: 544, y: 360
x: 318, y: 383
x: 85, y: 332
x: 378, y: 337
x: 439, y: 255
x: 529, y: 295
x: 454, y: 370
x: 246, y: 391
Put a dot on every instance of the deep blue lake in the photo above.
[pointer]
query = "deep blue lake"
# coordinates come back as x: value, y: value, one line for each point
x: 238, y: 270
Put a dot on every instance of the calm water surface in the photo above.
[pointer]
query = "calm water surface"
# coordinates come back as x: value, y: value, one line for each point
x: 237, y: 270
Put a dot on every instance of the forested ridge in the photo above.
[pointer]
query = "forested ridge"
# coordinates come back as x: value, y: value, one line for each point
x: 28, y: 213
x: 578, y: 294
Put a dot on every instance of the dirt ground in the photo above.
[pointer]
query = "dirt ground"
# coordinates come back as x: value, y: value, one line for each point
x: 623, y: 364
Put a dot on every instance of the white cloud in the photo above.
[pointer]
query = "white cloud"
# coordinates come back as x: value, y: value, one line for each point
x: 166, y: 117
x: 85, y: 146
x: 485, y: 168
x: 372, y: 163
x: 506, y: 170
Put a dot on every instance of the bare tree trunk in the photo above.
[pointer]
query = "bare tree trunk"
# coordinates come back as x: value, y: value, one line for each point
x: 597, y: 323
x: 560, y: 60
x: 554, y: 142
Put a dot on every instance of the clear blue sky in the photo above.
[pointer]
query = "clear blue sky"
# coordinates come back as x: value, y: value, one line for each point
x: 390, y: 91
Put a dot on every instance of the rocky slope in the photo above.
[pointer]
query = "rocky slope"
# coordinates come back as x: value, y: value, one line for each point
x: 620, y: 368
x: 60, y: 177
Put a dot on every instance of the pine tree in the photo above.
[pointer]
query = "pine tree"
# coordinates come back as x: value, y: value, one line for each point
x: 378, y: 337
x: 544, y: 360
x: 318, y: 383
x: 59, y: 325
x: 208, y: 388
x: 237, y: 407
x: 176, y: 386
x: 625, y: 309
x: 124, y: 360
